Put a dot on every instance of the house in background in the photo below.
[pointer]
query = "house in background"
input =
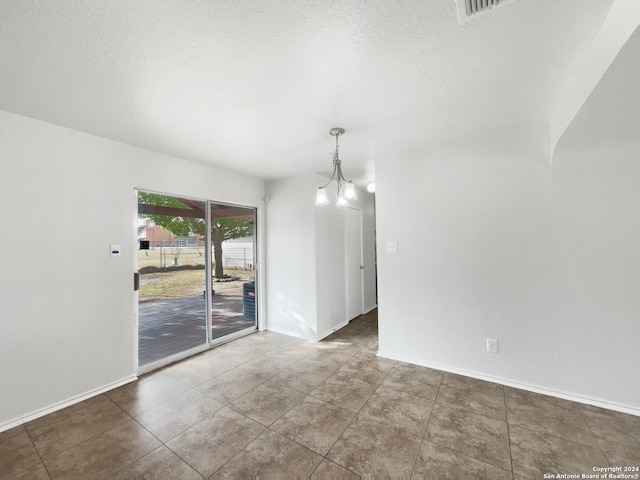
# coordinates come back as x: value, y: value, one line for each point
x: 505, y: 151
x: 150, y: 231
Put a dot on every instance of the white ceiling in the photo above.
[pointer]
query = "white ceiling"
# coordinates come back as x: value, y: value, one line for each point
x: 254, y: 85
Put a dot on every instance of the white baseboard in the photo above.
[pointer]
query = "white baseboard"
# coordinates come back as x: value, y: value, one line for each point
x: 522, y: 386
x: 331, y: 330
x: 317, y: 338
x: 63, y: 404
x: 290, y: 333
x: 367, y: 310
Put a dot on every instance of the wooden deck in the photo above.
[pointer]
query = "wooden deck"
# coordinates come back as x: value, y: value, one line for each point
x: 168, y: 327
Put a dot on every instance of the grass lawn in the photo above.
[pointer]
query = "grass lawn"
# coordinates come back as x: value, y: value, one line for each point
x: 184, y: 283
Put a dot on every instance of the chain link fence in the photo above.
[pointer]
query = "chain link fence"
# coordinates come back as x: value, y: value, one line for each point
x: 176, y: 253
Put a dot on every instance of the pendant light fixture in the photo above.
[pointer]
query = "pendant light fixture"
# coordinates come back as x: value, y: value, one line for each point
x: 344, y: 190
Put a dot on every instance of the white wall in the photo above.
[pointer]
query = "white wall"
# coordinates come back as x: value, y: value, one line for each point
x: 290, y: 240
x: 66, y: 307
x: 495, y: 246
x: 305, y: 254
x: 330, y: 257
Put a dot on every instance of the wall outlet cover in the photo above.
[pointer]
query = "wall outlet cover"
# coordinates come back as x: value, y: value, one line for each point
x: 492, y: 345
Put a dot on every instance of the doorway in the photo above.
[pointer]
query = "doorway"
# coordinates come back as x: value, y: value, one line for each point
x: 354, y: 263
x: 196, y: 271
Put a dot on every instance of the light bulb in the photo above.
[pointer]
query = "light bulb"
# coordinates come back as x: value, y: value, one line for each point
x: 350, y: 190
x: 342, y: 202
x: 321, y: 197
x: 371, y: 187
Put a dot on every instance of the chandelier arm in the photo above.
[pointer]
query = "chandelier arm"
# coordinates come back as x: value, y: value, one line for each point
x: 327, y: 187
x: 333, y: 177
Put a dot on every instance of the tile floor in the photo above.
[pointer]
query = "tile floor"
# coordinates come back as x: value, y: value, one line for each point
x: 273, y: 406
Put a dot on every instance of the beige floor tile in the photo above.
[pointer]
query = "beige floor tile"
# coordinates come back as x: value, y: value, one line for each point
x: 306, y: 375
x: 19, y: 458
x: 268, y: 341
x: 415, y: 380
x: 200, y: 369
x: 177, y: 414
x: 104, y: 454
x: 372, y: 376
x: 525, y: 397
x: 314, y: 424
x: 259, y: 366
x: 333, y: 351
x: 147, y: 392
x: 474, y: 395
x: 344, y: 391
x: 296, y: 350
x: 609, y: 426
x: 330, y: 358
x: 211, y: 443
x: 328, y: 470
x: 461, y: 381
x: 267, y: 402
x: 546, y: 414
x: 399, y: 409
x: 437, y: 462
x: 372, y: 361
x: 484, y: 438
x: 161, y: 464
x: 70, y: 426
x: 351, y: 344
x: 534, y: 454
x: 239, y: 352
x: 228, y: 386
x: 373, y: 449
x: 278, y: 360
x: 619, y: 454
x: 257, y: 460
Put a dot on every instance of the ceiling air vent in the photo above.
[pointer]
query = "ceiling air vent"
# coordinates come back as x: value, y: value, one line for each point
x: 468, y: 9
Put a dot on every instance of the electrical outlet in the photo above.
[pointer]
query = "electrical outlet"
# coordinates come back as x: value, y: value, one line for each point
x: 282, y: 309
x: 492, y: 345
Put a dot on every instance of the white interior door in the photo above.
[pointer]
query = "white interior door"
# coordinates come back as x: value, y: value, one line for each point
x: 354, y: 264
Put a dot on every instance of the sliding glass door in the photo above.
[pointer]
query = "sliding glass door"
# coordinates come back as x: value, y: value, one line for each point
x: 196, y: 267
x: 233, y: 253
x: 172, y: 261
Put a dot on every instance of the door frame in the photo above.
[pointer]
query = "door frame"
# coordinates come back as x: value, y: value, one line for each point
x: 360, y: 262
x: 210, y: 343
x: 256, y: 326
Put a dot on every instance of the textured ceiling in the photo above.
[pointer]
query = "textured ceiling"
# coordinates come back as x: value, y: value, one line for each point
x: 254, y: 86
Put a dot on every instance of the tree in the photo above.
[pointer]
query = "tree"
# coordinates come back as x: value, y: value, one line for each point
x: 226, y: 229
x: 193, y: 221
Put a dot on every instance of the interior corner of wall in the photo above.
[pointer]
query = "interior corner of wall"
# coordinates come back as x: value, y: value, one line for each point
x: 619, y: 25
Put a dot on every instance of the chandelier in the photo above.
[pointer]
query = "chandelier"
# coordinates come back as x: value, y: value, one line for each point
x: 344, y: 190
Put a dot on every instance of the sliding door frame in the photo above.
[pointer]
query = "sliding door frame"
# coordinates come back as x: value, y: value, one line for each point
x: 256, y: 273
x: 209, y: 342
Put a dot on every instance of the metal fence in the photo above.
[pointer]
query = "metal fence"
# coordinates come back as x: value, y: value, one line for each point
x: 163, y: 254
